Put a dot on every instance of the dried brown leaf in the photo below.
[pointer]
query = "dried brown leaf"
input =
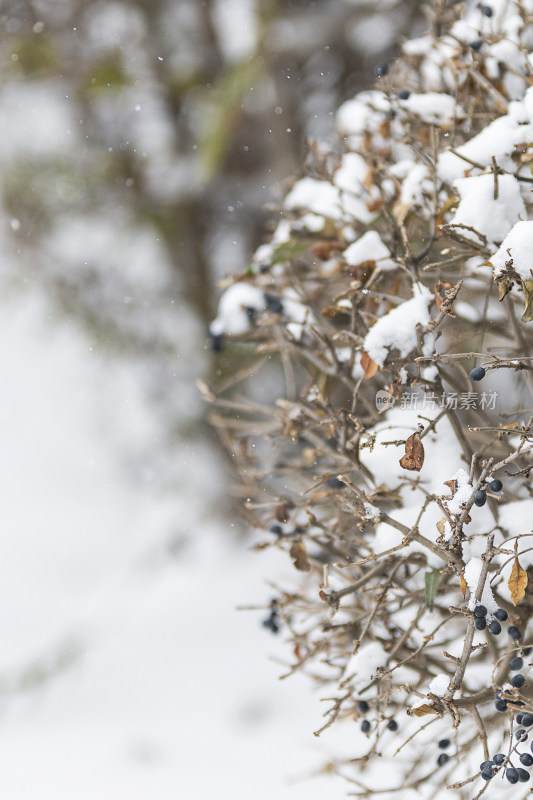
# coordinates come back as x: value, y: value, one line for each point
x: 299, y: 556
x: 527, y: 316
x: 369, y: 367
x: 517, y: 582
x: 414, y: 454
x: 421, y: 711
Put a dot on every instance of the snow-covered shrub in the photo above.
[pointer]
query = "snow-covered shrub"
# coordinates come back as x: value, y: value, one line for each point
x: 380, y: 416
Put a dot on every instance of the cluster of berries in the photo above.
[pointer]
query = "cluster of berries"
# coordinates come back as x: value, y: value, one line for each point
x: 513, y: 774
x: 273, y: 622
x: 480, y: 497
x: 364, y: 707
x: 443, y: 757
x: 494, y: 627
x: 491, y: 768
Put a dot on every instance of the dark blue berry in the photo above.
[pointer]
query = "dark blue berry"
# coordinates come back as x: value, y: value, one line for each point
x: 477, y: 374
x: 521, y: 735
x: 363, y: 706
x: 216, y: 342
x: 487, y: 774
x: 365, y: 726
x: 519, y: 718
x: 444, y: 743
x: 382, y: 69
x: 251, y: 313
x: 475, y: 45
x: 498, y: 759
x: 500, y: 705
x: 527, y: 650
x: 523, y: 775
x: 480, y: 611
x: 514, y: 632
x: 495, y: 628
x: 512, y: 775
x: 442, y: 759
x: 272, y: 622
x: 393, y: 725
x: 487, y: 11
x: 501, y: 614
x: 527, y: 719
x: 485, y: 765
x: 516, y: 663
x: 496, y: 485
x: 335, y: 483
x: 404, y: 94
x: 480, y: 624
x: 518, y: 680
x: 526, y: 759
x: 480, y: 497
x: 276, y: 529
x: 273, y: 303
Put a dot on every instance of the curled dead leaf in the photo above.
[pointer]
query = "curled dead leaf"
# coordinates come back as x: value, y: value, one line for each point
x: 369, y: 367
x: 299, y: 555
x: 517, y: 582
x: 527, y: 286
x: 414, y: 454
x: 421, y: 711
x: 440, y: 289
x: 452, y: 485
x: 324, y: 249
x: 504, y: 287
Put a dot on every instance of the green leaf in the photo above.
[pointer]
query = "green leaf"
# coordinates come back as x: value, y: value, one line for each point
x: 432, y: 580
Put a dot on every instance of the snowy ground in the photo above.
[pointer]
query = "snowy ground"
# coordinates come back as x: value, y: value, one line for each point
x: 125, y: 670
